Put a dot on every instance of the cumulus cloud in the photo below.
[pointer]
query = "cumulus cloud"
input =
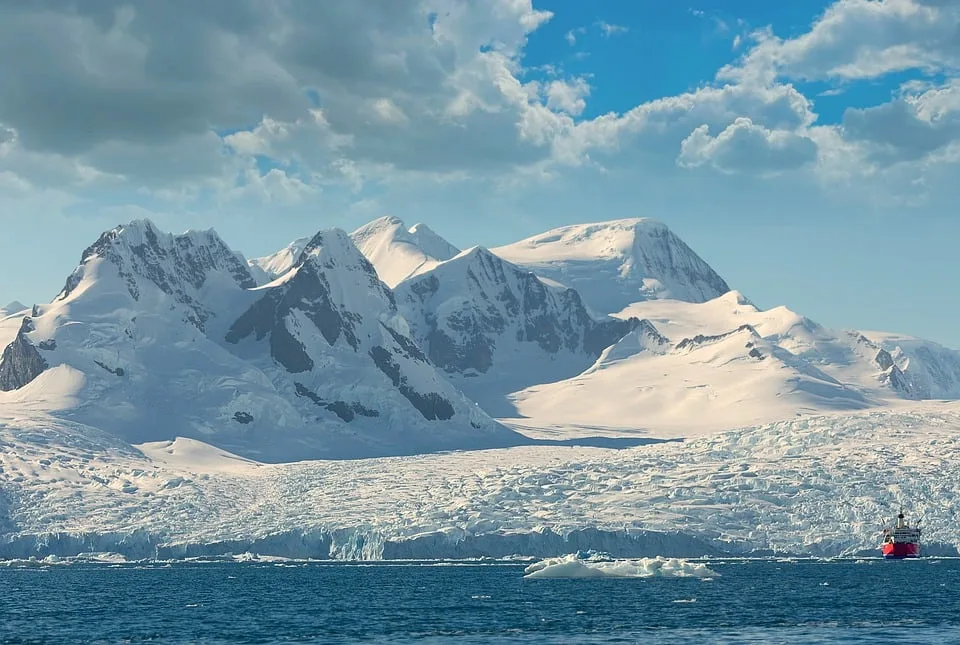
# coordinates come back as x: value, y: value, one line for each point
x: 910, y: 127
x: 747, y: 147
x: 420, y: 85
x: 569, y: 97
x: 659, y: 127
x: 281, y: 101
x: 857, y: 39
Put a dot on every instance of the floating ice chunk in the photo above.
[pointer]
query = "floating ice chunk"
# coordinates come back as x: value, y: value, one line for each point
x: 572, y: 566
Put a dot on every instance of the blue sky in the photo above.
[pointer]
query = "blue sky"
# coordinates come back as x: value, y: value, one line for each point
x: 808, y: 150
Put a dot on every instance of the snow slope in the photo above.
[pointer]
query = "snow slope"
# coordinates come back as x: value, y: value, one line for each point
x: 156, y: 336
x: 396, y: 251
x: 399, y: 252
x: 613, y: 264
x: 271, y: 267
x: 697, y: 385
x: 817, y: 485
x: 729, y: 364
x: 879, y: 364
x: 495, y: 328
x: 10, y: 325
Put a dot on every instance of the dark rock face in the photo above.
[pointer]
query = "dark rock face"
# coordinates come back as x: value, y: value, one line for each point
x: 20, y: 362
x: 884, y: 360
x: 497, y: 297
x: 172, y: 263
x: 309, y: 293
x: 346, y: 411
x: 115, y: 371
x: 892, y: 375
x: 899, y: 382
x: 243, y: 417
x: 431, y: 405
x: 701, y: 339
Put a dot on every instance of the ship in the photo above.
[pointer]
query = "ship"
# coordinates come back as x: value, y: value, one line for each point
x: 901, y: 540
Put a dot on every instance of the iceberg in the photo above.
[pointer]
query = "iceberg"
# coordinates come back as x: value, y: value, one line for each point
x: 574, y: 565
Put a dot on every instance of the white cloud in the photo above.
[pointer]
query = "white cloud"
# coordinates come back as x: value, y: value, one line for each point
x: 857, y: 39
x: 569, y: 97
x: 747, y: 147
x: 388, y: 112
x: 910, y: 127
x: 658, y: 127
x: 571, y: 36
x: 609, y: 29
x: 339, y: 97
x: 274, y: 186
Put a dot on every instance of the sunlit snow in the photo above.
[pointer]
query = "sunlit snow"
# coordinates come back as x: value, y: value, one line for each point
x: 573, y: 566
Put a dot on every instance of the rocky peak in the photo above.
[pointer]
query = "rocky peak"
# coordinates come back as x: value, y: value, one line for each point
x: 178, y: 265
x: 20, y: 362
x: 329, y: 284
x: 462, y: 310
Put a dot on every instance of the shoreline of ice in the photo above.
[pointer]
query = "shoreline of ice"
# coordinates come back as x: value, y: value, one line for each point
x: 365, y: 545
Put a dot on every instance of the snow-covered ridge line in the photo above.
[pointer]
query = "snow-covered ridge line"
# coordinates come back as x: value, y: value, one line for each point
x: 317, y: 364
x: 618, y: 262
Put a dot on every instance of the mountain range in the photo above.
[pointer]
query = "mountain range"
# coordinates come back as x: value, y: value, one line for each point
x: 392, y: 341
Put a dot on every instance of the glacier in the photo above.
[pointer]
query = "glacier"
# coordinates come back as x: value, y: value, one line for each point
x: 820, y: 486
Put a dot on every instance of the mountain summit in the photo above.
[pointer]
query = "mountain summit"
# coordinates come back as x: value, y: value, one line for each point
x: 399, y: 252
x: 495, y: 328
x: 614, y: 264
x: 156, y: 336
x: 12, y: 308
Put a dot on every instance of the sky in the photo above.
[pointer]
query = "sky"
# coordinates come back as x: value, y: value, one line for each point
x: 808, y: 150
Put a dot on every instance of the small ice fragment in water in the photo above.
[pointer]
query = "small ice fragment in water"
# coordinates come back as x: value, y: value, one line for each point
x: 571, y: 566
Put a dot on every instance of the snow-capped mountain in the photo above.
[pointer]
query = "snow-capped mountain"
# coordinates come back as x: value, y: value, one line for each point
x: 12, y: 308
x: 496, y: 328
x: 399, y: 252
x: 276, y: 264
x: 879, y: 364
x: 156, y: 336
x: 728, y: 364
x: 687, y: 387
x: 396, y: 251
x: 614, y: 264
x: 208, y: 365
x: 328, y: 330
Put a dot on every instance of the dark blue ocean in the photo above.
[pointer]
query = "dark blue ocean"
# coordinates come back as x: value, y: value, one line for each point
x: 226, y: 602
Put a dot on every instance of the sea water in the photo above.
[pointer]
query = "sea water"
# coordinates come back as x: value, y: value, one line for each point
x: 748, y: 601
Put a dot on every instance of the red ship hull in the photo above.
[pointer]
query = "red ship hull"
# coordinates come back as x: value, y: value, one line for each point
x: 900, y: 550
